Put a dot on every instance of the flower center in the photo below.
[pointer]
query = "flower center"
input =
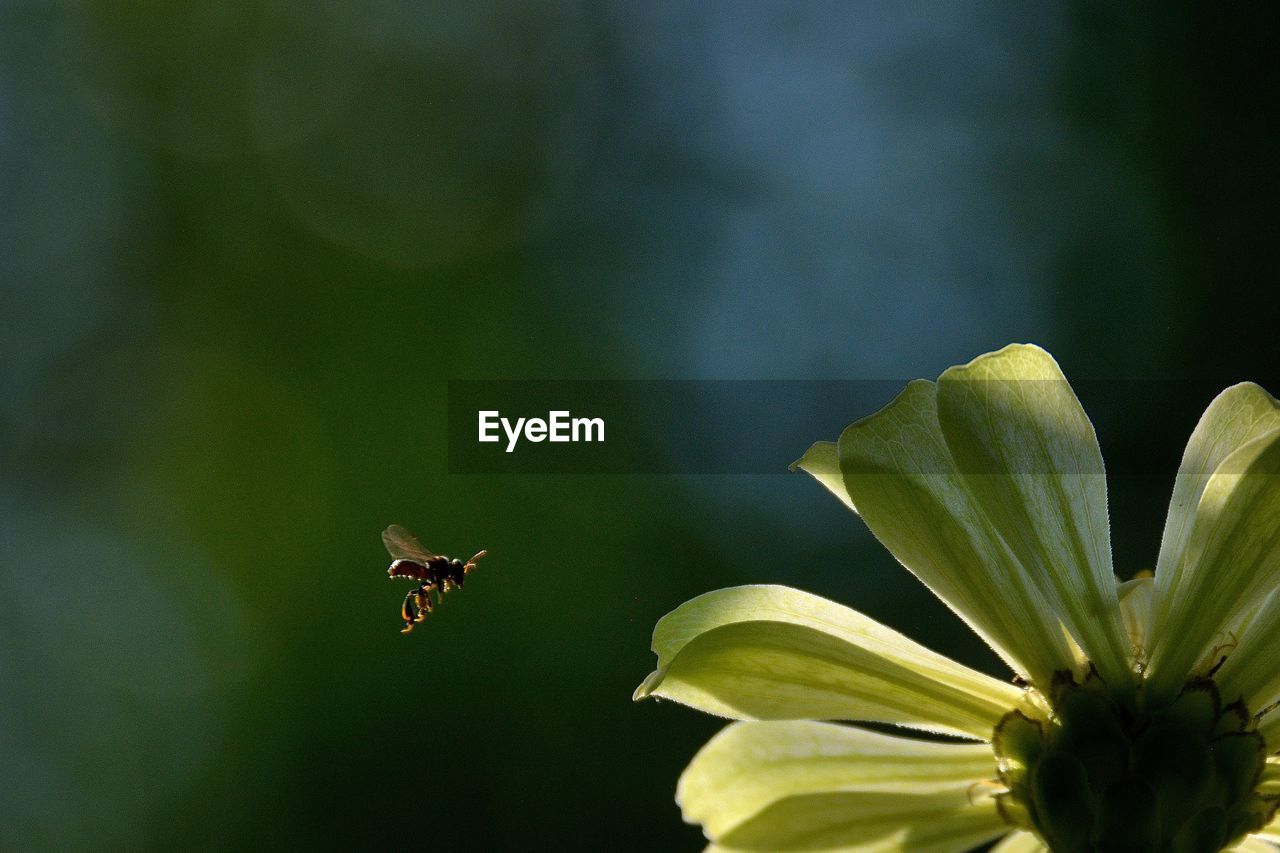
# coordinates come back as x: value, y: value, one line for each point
x: 1088, y: 774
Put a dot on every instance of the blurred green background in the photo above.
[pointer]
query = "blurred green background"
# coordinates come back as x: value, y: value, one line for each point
x: 243, y: 245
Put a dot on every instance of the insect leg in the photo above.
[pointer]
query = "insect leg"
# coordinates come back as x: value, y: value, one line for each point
x: 425, y: 605
x: 410, y: 611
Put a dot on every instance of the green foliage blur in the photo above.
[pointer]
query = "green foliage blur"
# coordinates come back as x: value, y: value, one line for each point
x: 245, y: 244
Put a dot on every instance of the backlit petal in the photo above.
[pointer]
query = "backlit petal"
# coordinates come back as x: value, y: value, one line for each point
x: 1020, y: 842
x: 900, y: 474
x: 867, y: 823
x: 749, y: 767
x: 1254, y: 844
x: 822, y: 462
x: 1252, y: 671
x: 1236, y: 417
x: 775, y: 653
x: 1029, y: 455
x: 1135, y: 609
x: 1231, y: 559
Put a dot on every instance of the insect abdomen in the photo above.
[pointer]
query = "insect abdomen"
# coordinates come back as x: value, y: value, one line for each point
x: 409, y: 569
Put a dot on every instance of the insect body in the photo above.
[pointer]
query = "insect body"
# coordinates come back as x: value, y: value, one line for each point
x: 432, y: 572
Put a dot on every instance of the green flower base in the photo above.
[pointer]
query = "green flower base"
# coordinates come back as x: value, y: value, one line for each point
x: 1090, y: 774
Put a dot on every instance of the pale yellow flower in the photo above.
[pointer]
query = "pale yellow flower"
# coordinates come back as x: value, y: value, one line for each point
x: 1140, y: 715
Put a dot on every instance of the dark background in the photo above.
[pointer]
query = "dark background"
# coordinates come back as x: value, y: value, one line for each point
x: 244, y: 245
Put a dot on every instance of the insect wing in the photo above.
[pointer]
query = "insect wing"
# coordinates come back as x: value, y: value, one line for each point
x: 403, y: 545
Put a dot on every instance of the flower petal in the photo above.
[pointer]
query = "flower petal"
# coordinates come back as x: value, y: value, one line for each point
x: 773, y: 653
x: 1269, y: 785
x: 1269, y: 728
x: 1254, y: 844
x: 1236, y: 417
x: 868, y: 823
x: 1020, y: 842
x: 1232, y: 558
x: 1135, y: 608
x: 748, y: 767
x: 900, y: 474
x: 1028, y: 453
x: 822, y: 462
x: 1251, y: 671
x: 1271, y: 831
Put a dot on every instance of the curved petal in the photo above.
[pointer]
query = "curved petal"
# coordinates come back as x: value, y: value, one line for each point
x: 822, y: 462
x: 1269, y: 785
x: 1271, y: 832
x: 1029, y: 455
x: 1251, y: 671
x: 1232, y: 557
x: 900, y: 474
x: 1020, y: 842
x: 771, y: 652
x: 748, y: 767
x: 1135, y: 609
x: 868, y: 822
x: 1269, y: 728
x: 1254, y: 844
x: 1236, y: 417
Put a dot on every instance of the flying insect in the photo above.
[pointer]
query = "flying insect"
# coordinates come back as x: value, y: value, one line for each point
x: 434, y: 573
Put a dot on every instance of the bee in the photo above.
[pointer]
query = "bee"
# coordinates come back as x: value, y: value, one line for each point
x: 432, y: 572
